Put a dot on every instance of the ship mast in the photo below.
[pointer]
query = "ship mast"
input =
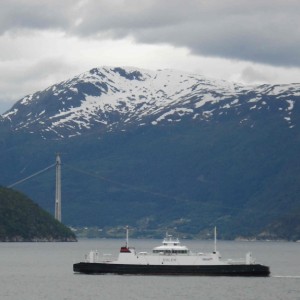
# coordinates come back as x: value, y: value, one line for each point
x: 215, y: 239
x: 58, y: 189
x: 127, y: 239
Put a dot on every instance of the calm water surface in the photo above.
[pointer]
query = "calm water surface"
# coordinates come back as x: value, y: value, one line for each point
x: 44, y: 271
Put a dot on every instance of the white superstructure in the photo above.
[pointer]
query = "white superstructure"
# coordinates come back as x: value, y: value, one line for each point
x: 171, y: 252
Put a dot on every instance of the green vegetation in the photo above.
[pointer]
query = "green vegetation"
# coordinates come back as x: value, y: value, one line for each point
x: 23, y: 220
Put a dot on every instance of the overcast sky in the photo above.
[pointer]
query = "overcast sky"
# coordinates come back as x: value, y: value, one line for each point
x: 43, y: 42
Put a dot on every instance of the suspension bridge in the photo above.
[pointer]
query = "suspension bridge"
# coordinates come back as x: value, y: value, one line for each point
x: 58, y: 164
x: 57, y: 200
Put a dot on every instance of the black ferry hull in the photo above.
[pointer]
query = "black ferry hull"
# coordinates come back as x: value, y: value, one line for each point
x: 193, y: 270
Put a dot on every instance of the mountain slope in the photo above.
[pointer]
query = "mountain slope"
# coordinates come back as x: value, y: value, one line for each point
x: 160, y: 150
x: 22, y: 220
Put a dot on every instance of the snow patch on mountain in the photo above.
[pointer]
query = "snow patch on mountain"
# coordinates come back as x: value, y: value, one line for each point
x: 291, y: 104
x: 109, y: 99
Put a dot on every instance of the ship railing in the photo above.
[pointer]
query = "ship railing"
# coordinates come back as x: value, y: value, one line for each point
x: 202, y: 253
x: 107, y: 257
x: 248, y: 261
x: 236, y: 261
x: 94, y: 256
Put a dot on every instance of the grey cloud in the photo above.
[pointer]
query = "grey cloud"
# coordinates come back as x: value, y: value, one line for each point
x: 18, y: 80
x: 251, y: 75
x: 46, y: 67
x: 5, y: 104
x: 264, y: 31
x: 16, y: 15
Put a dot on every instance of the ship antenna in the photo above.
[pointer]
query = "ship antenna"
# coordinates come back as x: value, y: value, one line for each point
x: 215, y: 239
x: 127, y: 242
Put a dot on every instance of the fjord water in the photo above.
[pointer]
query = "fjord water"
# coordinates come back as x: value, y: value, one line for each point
x: 38, y: 271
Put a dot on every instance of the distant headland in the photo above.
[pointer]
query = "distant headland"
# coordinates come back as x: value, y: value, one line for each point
x: 21, y: 220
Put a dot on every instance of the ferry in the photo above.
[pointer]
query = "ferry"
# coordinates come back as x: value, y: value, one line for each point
x: 170, y: 258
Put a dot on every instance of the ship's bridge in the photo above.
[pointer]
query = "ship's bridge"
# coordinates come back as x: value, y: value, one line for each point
x: 171, y: 246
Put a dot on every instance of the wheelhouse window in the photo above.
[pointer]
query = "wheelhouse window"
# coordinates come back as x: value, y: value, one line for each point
x: 171, y: 251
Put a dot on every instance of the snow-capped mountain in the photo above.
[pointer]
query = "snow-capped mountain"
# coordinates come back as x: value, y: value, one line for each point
x: 184, y: 148
x: 108, y: 99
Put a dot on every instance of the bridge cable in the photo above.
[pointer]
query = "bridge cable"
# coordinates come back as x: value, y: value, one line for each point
x: 33, y: 175
x: 135, y: 188
x: 123, y: 184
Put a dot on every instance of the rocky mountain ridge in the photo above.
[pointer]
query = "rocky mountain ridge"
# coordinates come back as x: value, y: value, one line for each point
x: 114, y: 99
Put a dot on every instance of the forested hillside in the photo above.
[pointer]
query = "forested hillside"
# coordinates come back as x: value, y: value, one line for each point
x: 22, y: 220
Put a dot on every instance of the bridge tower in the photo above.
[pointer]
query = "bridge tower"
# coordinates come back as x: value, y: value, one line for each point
x: 58, y: 189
